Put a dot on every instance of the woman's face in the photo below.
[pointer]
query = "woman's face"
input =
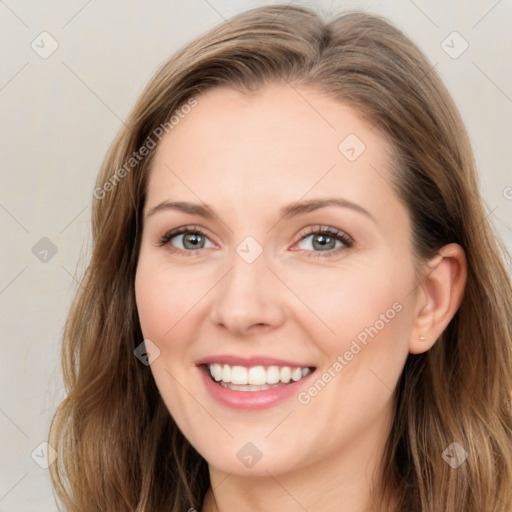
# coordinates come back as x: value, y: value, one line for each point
x: 299, y: 266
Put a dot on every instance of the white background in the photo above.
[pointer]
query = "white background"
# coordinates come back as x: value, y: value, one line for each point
x: 59, y: 115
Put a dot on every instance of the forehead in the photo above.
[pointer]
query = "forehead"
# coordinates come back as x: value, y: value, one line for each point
x: 273, y: 146
x: 292, y: 117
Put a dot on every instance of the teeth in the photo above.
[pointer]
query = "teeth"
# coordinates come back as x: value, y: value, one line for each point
x: 286, y: 374
x: 256, y: 377
x: 226, y: 373
x: 217, y: 372
x: 273, y: 375
x: 238, y: 375
x: 296, y: 374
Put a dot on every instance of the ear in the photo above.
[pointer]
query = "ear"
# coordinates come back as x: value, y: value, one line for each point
x: 439, y: 296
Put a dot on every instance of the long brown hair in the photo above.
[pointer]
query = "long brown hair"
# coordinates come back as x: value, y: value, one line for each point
x: 119, y: 448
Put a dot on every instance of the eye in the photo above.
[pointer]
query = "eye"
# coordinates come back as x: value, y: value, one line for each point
x: 325, y: 241
x: 188, y: 239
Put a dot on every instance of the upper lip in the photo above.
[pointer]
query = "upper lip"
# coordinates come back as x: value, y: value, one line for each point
x: 250, y: 362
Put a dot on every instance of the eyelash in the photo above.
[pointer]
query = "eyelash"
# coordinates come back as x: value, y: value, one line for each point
x: 317, y: 230
x: 340, y: 236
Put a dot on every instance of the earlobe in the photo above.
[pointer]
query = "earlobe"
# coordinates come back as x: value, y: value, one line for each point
x: 440, y: 296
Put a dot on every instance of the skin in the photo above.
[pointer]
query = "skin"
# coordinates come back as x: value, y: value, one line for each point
x: 247, y: 156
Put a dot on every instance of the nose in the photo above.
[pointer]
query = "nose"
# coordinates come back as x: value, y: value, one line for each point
x: 249, y: 298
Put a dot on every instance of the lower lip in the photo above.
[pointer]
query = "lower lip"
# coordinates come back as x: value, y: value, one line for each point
x: 251, y: 400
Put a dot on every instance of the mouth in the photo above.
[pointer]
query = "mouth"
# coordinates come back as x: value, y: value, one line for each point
x: 255, y: 378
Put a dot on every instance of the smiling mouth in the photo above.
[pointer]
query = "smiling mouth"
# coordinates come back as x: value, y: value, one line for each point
x: 255, y: 378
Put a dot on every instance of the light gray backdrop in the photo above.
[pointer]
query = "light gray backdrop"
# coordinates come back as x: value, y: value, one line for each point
x: 70, y: 72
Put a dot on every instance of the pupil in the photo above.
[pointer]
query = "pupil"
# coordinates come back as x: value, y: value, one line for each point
x: 324, y: 241
x: 192, y: 238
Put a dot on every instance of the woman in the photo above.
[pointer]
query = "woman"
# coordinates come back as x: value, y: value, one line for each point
x: 291, y: 222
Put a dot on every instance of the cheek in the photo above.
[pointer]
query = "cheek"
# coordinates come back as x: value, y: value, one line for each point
x: 361, y: 325
x: 166, y: 300
x: 168, y: 307
x: 353, y: 301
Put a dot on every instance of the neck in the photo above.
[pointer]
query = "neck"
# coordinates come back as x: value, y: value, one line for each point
x: 347, y: 478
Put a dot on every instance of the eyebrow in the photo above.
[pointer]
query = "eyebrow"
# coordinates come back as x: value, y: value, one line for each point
x: 291, y: 210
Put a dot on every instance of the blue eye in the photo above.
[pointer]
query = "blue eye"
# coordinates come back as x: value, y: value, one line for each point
x: 192, y: 239
x: 324, y: 241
